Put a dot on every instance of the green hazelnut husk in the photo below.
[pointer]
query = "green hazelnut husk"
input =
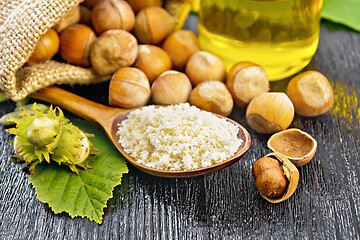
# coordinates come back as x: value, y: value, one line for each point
x: 51, y: 137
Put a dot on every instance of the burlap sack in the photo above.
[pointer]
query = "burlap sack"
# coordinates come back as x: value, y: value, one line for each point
x: 22, y: 23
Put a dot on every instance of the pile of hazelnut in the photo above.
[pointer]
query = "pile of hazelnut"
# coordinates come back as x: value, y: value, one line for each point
x: 137, y: 43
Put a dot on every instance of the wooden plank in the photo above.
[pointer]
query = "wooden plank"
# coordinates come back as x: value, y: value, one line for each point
x: 225, y: 204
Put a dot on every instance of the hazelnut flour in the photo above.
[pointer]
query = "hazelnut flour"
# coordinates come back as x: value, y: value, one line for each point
x: 177, y: 137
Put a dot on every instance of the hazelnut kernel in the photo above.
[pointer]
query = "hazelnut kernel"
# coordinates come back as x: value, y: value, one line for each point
x: 269, y: 177
x: 276, y: 177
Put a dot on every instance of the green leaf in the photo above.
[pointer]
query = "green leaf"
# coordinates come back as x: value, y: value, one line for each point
x: 346, y: 12
x: 85, y: 194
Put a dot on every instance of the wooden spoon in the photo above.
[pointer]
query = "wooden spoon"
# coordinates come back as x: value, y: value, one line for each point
x: 109, y: 118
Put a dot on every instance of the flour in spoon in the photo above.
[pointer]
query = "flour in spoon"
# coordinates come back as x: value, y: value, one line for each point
x: 178, y: 137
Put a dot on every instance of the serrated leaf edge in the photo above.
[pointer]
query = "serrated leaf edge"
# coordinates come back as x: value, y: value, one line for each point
x: 99, y: 221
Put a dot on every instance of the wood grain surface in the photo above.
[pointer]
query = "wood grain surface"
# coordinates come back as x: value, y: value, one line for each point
x: 224, y: 204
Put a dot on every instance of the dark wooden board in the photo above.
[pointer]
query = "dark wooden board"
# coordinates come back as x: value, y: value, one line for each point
x: 225, y: 204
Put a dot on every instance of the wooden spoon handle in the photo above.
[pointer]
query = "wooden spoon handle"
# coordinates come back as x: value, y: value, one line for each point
x: 80, y: 106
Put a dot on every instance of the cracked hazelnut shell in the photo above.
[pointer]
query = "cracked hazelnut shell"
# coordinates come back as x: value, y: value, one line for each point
x: 276, y: 177
x: 298, y: 146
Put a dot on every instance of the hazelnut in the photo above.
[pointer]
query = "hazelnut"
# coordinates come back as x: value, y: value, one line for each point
x: 112, y: 50
x: 298, y: 146
x: 180, y: 10
x: 270, y: 112
x: 70, y: 18
x: 46, y: 48
x: 153, y: 25
x: 137, y: 5
x: 76, y: 42
x: 275, y: 177
x: 181, y: 45
x: 171, y: 87
x: 212, y: 96
x: 311, y: 93
x: 90, y: 4
x: 153, y: 61
x: 112, y: 14
x: 246, y: 81
x: 129, y: 88
x: 204, y: 66
x: 85, y: 15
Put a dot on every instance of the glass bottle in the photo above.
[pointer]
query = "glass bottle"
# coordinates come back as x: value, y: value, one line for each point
x: 280, y: 35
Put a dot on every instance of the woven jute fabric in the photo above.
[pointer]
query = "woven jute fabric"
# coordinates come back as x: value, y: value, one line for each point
x: 22, y: 23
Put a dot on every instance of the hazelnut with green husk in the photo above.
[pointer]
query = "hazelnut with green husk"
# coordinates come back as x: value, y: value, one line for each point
x: 51, y: 137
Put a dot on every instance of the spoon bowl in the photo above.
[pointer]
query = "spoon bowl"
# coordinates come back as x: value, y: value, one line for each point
x: 109, y: 118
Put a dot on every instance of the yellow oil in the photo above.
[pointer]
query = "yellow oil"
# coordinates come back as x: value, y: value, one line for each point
x: 280, y: 35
